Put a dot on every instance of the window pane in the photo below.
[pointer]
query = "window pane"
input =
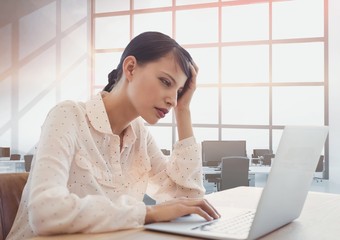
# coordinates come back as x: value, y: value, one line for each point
x: 245, y: 64
x: 202, y: 134
x: 255, y: 138
x: 36, y: 78
x: 197, y: 26
x: 188, y: 2
x: 105, y: 63
x: 297, y: 19
x: 34, y: 118
x: 112, y: 32
x: 6, y: 101
x: 207, y: 61
x: 204, y: 106
x: 298, y: 62
x: 74, y: 47
x: 75, y: 84
x: 138, y: 4
x: 298, y: 105
x: 35, y: 29
x: 245, y: 22
x: 245, y: 105
x: 161, y: 22
x: 111, y: 5
x: 5, y: 47
x: 162, y: 136
x: 72, y: 12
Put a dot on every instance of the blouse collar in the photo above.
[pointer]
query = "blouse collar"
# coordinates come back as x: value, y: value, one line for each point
x: 98, y: 118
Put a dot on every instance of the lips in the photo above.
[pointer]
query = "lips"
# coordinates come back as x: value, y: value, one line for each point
x: 161, y: 112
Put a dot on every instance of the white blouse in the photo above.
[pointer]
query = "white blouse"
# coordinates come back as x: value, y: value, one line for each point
x: 80, y: 181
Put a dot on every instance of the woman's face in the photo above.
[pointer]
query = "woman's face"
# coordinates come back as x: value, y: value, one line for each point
x: 154, y: 87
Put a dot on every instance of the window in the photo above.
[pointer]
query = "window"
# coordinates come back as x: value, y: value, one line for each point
x: 262, y: 63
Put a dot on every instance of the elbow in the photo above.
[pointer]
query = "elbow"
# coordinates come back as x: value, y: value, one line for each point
x: 41, y: 224
x: 48, y: 220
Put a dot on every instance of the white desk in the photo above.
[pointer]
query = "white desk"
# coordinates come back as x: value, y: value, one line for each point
x: 252, y: 169
x: 320, y: 219
x: 7, y: 166
x: 259, y: 169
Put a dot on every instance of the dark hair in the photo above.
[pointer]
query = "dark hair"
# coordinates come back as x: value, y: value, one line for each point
x: 148, y: 47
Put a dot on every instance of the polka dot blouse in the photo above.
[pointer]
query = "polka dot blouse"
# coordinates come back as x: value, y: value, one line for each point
x: 83, y: 181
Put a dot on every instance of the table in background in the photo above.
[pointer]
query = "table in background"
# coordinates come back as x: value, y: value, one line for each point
x: 253, y: 171
x: 8, y: 166
x: 320, y: 219
x: 256, y: 169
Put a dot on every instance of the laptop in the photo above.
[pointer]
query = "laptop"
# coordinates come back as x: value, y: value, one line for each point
x: 282, y: 198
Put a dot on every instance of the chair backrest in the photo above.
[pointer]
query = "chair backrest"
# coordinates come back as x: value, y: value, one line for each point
x: 267, y: 159
x: 165, y: 151
x: 15, y: 156
x: 11, y: 187
x: 5, y: 151
x: 28, y: 162
x: 234, y: 172
x: 213, y: 151
x: 261, y: 152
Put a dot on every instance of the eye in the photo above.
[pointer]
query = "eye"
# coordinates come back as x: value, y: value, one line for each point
x: 166, y: 82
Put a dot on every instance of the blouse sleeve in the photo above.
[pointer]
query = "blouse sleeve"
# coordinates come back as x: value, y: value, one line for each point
x: 52, y: 208
x: 177, y: 175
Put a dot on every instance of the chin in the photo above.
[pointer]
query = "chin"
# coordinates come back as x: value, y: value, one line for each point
x: 151, y: 121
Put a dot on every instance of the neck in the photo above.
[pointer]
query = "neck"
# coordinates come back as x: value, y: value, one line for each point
x: 119, y: 110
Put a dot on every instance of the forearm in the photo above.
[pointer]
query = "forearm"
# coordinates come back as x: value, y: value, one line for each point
x: 54, y: 212
x: 184, y: 125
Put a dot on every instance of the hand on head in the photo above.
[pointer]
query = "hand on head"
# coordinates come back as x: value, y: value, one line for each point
x: 185, y: 99
x: 171, y: 210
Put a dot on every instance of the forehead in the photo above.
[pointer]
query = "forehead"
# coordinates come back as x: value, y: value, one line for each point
x: 169, y: 65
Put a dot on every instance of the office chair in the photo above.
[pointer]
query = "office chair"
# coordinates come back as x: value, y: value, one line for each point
x: 5, y: 152
x: 267, y: 159
x: 28, y: 162
x: 11, y: 187
x: 165, y: 151
x: 262, y: 156
x: 234, y: 172
x: 15, y: 156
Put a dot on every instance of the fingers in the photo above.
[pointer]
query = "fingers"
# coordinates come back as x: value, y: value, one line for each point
x: 209, y: 209
x: 171, y: 210
x: 213, y: 210
x: 201, y: 207
x: 195, y: 66
x: 194, y: 71
x: 199, y: 211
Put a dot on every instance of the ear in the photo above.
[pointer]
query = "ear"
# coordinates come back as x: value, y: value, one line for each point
x: 129, y: 66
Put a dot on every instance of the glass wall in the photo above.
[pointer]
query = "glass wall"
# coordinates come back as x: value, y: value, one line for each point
x: 262, y: 63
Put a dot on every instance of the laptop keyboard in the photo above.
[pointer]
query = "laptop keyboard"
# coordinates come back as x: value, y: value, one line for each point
x: 236, y: 225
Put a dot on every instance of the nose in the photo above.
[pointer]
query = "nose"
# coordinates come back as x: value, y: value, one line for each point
x: 171, y: 100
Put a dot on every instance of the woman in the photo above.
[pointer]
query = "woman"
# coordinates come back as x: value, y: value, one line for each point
x: 96, y: 160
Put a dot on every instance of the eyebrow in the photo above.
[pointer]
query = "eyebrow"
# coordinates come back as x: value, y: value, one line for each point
x: 170, y: 77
